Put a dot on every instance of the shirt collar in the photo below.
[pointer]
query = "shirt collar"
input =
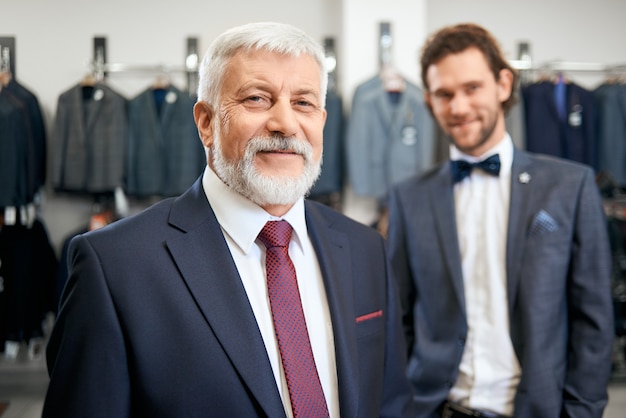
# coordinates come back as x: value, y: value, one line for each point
x: 242, y: 219
x: 504, y: 148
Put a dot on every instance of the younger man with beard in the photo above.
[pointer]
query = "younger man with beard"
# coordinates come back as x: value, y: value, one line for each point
x: 167, y: 313
x: 502, y: 257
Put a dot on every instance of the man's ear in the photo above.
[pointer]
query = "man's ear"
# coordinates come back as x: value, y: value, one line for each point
x: 505, y: 85
x: 203, y: 114
x: 427, y: 100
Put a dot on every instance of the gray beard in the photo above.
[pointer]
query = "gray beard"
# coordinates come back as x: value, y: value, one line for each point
x: 244, y: 178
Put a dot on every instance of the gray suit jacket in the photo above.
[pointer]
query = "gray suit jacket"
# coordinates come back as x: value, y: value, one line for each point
x: 387, y: 141
x: 155, y: 321
x: 89, y: 140
x: 558, y: 281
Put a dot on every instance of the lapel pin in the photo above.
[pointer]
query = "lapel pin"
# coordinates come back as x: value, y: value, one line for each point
x: 524, y: 178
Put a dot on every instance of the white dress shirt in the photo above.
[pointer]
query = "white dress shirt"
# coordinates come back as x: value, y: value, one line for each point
x: 489, y: 370
x: 241, y: 222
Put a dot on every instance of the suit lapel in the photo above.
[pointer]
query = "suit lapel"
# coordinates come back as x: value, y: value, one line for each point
x: 93, y: 108
x: 79, y: 107
x: 521, y: 181
x: 333, y: 253
x: 167, y: 108
x: 385, y: 110
x: 153, y: 122
x: 442, y: 200
x: 209, y: 272
x: 548, y: 96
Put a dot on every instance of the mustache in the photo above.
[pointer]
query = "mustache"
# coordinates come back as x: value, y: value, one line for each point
x: 279, y: 143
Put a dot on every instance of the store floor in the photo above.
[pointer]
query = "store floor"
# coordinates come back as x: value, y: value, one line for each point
x: 23, y: 386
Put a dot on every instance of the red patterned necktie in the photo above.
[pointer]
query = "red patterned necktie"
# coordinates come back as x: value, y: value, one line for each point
x: 305, y: 389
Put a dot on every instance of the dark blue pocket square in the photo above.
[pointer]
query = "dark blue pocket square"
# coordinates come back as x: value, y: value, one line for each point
x: 543, y: 223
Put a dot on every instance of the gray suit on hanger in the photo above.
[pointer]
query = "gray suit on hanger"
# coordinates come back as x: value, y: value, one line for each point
x: 557, y: 278
x: 89, y: 140
x: 388, y: 138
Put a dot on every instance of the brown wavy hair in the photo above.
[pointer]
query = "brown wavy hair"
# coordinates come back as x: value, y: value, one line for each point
x: 457, y: 38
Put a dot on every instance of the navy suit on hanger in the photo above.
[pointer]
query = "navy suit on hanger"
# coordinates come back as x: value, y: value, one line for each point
x: 165, y: 155
x: 571, y: 135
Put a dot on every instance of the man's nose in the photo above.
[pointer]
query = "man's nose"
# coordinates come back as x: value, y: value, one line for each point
x: 459, y: 104
x: 282, y: 119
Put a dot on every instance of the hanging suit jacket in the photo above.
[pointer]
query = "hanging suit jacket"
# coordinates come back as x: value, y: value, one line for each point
x: 13, y: 149
x: 28, y: 271
x: 33, y: 142
x: 333, y: 169
x: 557, y: 278
x: 89, y: 140
x: 390, y: 137
x: 611, y: 120
x: 155, y: 321
x: 165, y: 154
x: 574, y: 136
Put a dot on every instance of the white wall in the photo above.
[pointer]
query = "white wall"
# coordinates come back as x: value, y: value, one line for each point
x: 360, y: 60
x: 54, y: 42
x: 568, y: 30
x: 360, y: 37
x: 54, y: 38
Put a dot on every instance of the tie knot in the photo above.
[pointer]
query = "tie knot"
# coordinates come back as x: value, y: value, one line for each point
x: 461, y: 168
x: 276, y: 234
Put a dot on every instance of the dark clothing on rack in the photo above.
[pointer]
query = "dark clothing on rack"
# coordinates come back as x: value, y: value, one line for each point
x: 572, y: 135
x: 63, y: 271
x: 165, y: 154
x: 610, y: 101
x: 22, y: 145
x: 28, y: 271
x: 331, y: 179
x: 89, y: 140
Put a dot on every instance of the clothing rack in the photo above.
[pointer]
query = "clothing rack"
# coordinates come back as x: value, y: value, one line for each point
x: 7, y: 54
x: 527, y: 67
x: 5, y: 59
x: 331, y: 62
x: 393, y: 81
x: 101, y: 68
x: 570, y: 66
x: 385, y: 42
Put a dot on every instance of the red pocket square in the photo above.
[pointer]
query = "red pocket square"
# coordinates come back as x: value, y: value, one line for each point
x: 369, y: 316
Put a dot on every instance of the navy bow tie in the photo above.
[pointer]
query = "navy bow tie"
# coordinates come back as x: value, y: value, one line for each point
x: 461, y: 168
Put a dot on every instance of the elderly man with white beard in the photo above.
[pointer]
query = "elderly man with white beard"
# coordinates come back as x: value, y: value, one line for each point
x: 239, y: 298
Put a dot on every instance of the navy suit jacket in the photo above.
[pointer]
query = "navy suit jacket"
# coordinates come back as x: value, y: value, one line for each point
x: 164, y: 153
x: 155, y: 321
x: 611, y: 121
x: 574, y: 137
x: 558, y: 286
x: 331, y: 178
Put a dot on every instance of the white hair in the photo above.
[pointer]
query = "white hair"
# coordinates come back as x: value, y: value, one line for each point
x: 269, y: 36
